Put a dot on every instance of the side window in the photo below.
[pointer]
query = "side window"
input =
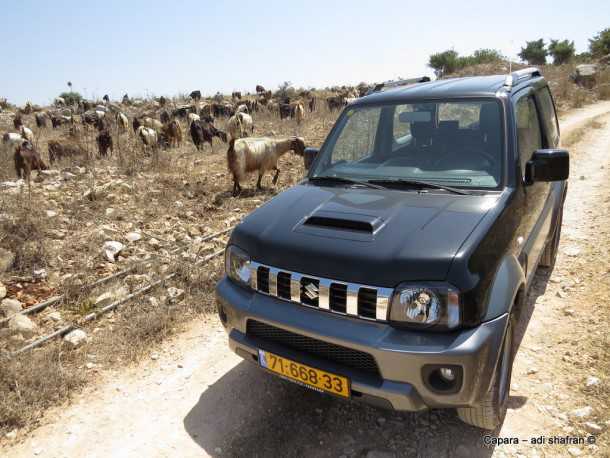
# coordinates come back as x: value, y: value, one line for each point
x: 547, y: 109
x: 357, y: 139
x: 528, y: 129
x: 466, y: 114
x: 401, y: 129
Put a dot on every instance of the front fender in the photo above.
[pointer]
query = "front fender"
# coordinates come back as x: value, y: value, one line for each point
x: 508, y: 280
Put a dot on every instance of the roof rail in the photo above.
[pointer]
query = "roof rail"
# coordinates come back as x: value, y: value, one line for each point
x: 519, y: 75
x: 392, y: 84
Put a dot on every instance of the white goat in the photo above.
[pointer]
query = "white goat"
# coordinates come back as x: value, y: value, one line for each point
x: 148, y: 136
x: 240, y: 125
x: 12, y: 139
x: 27, y: 133
x: 243, y: 108
x: 122, y: 121
x: 246, y: 155
x: 193, y: 117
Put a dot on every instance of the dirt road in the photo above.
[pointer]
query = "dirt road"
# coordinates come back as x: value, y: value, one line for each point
x: 195, y: 398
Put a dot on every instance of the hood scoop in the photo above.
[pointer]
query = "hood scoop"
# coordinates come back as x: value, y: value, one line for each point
x: 351, y: 226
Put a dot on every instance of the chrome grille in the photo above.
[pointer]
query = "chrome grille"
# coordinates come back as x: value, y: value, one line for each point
x: 353, y: 299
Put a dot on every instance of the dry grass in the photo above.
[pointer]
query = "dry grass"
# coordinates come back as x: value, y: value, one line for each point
x: 576, y: 135
x: 31, y: 385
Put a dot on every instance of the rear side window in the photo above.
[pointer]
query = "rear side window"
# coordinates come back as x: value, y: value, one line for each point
x: 528, y: 129
x: 549, y: 118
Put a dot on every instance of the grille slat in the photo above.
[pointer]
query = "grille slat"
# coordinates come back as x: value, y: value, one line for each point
x: 349, y: 357
x: 361, y: 301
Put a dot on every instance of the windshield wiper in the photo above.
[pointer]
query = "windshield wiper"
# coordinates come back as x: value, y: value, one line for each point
x: 331, y: 179
x: 420, y: 184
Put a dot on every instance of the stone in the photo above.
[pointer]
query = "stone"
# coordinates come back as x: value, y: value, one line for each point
x: 75, y: 338
x: 592, y: 381
x: 133, y: 236
x: 583, y: 412
x: 23, y: 325
x: 593, y: 428
x: 54, y: 316
x: 109, y: 297
x: 11, y: 435
x: 154, y: 356
x: 51, y: 213
x: 174, y: 293
x: 568, y: 312
x: 571, y: 251
x: 39, y: 274
x: 532, y: 370
x: 7, y: 258
x: 9, y: 307
x: 112, y: 249
x: 2, y: 290
x: 574, y: 451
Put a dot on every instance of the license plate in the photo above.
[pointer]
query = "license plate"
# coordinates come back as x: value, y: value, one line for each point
x: 307, y: 376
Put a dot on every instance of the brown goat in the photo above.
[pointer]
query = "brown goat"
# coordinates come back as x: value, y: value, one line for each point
x: 173, y: 133
x: 27, y: 159
x: 104, y: 143
x: 59, y: 150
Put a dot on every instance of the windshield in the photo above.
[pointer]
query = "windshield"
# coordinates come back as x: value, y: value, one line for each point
x: 454, y: 143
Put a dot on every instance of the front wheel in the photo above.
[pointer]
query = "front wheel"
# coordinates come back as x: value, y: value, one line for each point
x: 492, y: 410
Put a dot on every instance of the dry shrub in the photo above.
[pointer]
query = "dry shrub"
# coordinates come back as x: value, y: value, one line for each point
x: 35, y: 381
x: 23, y: 233
x: 603, y: 84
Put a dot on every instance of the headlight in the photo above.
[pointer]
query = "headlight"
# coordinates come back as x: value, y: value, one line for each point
x: 237, y: 265
x: 426, y: 305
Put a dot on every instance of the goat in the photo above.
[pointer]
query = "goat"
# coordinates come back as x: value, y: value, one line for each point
x: 192, y: 117
x: 204, y: 133
x: 260, y: 89
x: 240, y: 125
x: 27, y: 133
x: 148, y: 136
x: 335, y: 102
x: 12, y: 139
x: 17, y: 122
x: 285, y: 110
x: 122, y: 122
x: 164, y: 116
x: 173, y: 133
x: 236, y: 95
x: 104, y: 143
x: 26, y: 159
x: 299, y: 112
x: 312, y: 104
x: 243, y: 108
x: 195, y: 95
x: 41, y: 120
x: 249, y: 154
x: 59, y: 150
x: 136, y: 124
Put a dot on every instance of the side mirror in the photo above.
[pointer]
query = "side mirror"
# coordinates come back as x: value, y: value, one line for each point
x: 309, y: 156
x: 548, y: 165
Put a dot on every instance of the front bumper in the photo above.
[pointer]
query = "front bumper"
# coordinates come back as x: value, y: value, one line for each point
x: 401, y: 355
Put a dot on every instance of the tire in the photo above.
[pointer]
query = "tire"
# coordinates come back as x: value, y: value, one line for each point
x: 490, y: 414
x: 550, y: 251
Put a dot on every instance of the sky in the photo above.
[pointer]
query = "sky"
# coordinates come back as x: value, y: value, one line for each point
x: 153, y: 48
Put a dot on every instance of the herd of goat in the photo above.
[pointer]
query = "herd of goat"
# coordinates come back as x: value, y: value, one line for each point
x: 163, y: 129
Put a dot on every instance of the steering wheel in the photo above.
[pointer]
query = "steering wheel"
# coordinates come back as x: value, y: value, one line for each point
x: 488, y: 159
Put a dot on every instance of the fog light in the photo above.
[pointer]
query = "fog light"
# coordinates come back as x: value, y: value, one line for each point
x: 447, y: 374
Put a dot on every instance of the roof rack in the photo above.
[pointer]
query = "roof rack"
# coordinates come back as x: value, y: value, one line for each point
x: 519, y: 75
x: 392, y: 84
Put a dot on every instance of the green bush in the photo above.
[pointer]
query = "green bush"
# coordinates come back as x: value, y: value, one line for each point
x: 561, y: 51
x: 534, y: 52
x: 599, y: 45
x: 71, y: 98
x: 444, y: 62
x: 449, y: 61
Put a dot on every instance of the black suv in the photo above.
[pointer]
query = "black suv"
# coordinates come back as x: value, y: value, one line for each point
x: 395, y: 273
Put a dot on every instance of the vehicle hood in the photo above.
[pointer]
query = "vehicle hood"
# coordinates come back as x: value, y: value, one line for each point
x: 368, y: 236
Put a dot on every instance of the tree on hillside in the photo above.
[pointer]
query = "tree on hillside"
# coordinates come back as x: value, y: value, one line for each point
x: 71, y: 98
x: 534, y: 52
x: 487, y: 56
x: 562, y: 51
x: 444, y: 62
x: 599, y: 45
